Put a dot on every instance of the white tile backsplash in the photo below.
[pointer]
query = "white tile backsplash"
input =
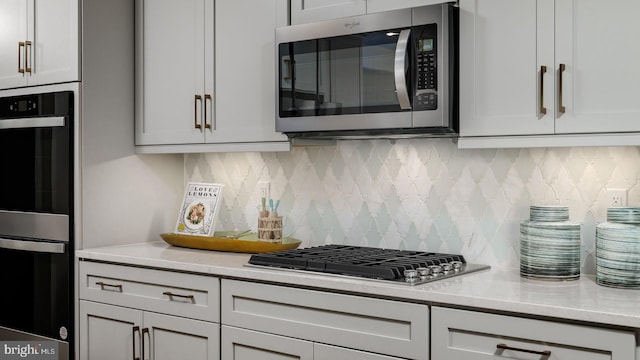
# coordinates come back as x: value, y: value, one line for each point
x: 420, y: 194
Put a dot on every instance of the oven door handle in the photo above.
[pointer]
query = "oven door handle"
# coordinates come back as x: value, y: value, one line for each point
x: 34, y: 122
x: 33, y: 246
x: 399, y: 69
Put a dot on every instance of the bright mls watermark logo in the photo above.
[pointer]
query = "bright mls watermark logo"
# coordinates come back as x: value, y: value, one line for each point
x: 45, y: 350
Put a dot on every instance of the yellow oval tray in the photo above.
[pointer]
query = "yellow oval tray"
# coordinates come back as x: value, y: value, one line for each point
x: 245, y: 244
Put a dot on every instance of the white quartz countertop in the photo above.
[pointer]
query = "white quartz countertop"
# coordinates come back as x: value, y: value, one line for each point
x: 504, y: 291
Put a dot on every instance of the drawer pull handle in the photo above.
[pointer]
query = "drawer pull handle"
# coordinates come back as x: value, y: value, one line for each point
x: 136, y: 329
x: 561, y: 107
x: 104, y: 284
x: 543, y: 70
x: 546, y: 353
x: 145, y: 331
x: 197, y: 99
x: 20, y: 48
x: 27, y: 59
x: 172, y: 295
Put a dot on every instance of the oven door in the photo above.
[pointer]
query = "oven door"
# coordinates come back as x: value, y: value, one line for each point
x: 35, y: 155
x: 35, y: 304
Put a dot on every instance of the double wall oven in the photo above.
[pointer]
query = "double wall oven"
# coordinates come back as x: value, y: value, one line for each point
x: 36, y: 217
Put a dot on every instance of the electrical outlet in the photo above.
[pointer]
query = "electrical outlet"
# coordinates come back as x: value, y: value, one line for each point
x: 616, y: 197
x: 264, y: 189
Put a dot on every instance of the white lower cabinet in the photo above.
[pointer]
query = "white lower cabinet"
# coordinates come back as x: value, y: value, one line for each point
x: 465, y: 335
x: 130, y: 313
x: 242, y: 344
x: 335, y: 326
x: 114, y: 332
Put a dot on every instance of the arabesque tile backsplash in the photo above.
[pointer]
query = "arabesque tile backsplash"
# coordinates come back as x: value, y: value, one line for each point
x: 420, y: 194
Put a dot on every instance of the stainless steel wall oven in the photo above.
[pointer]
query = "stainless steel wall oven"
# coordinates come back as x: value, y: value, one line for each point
x: 36, y: 218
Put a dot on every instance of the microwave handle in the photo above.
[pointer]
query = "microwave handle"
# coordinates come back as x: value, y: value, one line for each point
x: 399, y: 69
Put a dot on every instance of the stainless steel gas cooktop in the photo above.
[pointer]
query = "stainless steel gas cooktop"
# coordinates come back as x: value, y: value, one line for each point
x: 400, y: 266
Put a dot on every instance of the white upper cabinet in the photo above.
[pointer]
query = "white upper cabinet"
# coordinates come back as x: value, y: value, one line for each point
x: 548, y: 67
x: 502, y: 50
x: 597, y: 43
x: 245, y: 96
x: 306, y: 11
x: 204, y: 82
x: 385, y: 5
x: 39, y: 43
x: 175, y: 71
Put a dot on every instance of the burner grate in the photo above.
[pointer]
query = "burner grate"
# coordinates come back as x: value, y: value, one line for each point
x: 361, y: 261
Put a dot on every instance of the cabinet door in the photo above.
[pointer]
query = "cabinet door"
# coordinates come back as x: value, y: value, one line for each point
x: 245, y: 72
x: 13, y: 27
x: 386, y: 5
x: 171, y: 70
x: 170, y: 337
x: 107, y: 332
x: 469, y: 335
x: 240, y: 344
x: 54, y: 54
x: 305, y: 11
x: 327, y: 352
x: 503, y: 45
x: 595, y: 42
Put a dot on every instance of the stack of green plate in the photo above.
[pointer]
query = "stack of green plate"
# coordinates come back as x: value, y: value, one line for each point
x: 549, y: 244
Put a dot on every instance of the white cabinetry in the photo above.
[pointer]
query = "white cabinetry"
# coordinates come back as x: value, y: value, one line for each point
x: 175, y: 71
x: 373, y: 329
x: 385, y: 5
x: 462, y: 335
x: 306, y: 11
x: 205, y: 83
x: 165, y: 315
x: 548, y: 67
x: 39, y: 43
x: 242, y: 344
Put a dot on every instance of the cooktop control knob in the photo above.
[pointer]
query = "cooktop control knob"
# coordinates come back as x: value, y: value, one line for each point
x: 446, y: 267
x: 423, y: 272
x: 457, y: 265
x: 436, y: 270
x: 411, y: 275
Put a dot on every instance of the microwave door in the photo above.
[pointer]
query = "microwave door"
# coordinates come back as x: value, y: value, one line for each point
x: 345, y: 82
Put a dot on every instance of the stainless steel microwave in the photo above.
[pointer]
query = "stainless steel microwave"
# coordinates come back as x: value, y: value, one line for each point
x: 385, y: 74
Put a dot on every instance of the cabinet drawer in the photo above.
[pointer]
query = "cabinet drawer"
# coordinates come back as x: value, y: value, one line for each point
x: 382, y: 326
x: 186, y: 295
x: 461, y: 334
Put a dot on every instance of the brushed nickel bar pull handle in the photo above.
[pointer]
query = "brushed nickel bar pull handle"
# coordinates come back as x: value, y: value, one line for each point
x: 136, y: 329
x: 543, y: 70
x: 195, y: 111
x: 172, y: 295
x: 20, y: 47
x: 27, y: 61
x: 208, y: 97
x: 561, y: 107
x: 145, y: 331
x: 104, y: 284
x: 503, y: 347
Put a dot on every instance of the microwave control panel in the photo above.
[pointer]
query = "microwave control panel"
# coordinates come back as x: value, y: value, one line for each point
x: 426, y: 50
